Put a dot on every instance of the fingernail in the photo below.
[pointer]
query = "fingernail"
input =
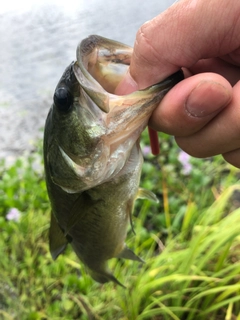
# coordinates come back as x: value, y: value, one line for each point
x: 207, y: 98
x: 126, y: 86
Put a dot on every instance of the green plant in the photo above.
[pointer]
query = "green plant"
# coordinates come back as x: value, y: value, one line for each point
x: 190, y: 242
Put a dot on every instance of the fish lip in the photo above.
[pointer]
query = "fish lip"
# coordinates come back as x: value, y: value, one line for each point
x: 91, y: 87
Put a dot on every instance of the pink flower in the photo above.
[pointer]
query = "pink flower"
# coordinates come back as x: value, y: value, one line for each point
x: 13, y: 215
x: 184, y: 158
x: 146, y: 150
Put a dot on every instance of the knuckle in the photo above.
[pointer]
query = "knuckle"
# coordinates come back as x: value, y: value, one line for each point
x: 144, y: 46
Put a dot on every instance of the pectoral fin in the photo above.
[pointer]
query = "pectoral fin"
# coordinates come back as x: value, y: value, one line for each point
x: 127, y: 253
x: 146, y: 194
x: 57, y: 240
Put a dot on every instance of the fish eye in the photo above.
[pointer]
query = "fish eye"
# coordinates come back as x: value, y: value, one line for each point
x: 62, y: 99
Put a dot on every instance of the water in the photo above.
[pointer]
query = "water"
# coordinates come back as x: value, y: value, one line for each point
x: 38, y: 40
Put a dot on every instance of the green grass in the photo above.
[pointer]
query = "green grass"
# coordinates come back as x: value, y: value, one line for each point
x: 190, y: 241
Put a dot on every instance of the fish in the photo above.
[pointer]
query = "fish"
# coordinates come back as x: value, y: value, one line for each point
x: 92, y: 155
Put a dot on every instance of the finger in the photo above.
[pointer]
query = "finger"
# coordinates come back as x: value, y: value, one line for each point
x: 191, y: 104
x: 221, y: 135
x: 227, y: 70
x: 185, y: 33
x: 233, y: 157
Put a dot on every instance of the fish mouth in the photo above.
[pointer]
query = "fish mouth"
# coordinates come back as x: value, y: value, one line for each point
x: 105, y: 61
x: 102, y: 64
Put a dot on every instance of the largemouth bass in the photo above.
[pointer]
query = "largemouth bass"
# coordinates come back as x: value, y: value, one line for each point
x: 92, y: 156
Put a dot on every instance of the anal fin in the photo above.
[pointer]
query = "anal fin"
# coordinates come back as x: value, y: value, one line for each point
x: 127, y: 253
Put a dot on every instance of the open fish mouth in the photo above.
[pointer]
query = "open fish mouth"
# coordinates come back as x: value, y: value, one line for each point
x: 101, y: 59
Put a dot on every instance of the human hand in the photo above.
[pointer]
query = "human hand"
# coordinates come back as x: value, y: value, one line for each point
x: 202, y: 111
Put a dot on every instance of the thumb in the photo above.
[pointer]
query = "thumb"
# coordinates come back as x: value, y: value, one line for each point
x: 186, y: 32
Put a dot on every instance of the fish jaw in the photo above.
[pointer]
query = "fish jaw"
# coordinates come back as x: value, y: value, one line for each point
x: 103, y: 64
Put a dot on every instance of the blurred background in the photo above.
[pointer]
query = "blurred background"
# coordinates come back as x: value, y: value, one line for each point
x: 38, y: 39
